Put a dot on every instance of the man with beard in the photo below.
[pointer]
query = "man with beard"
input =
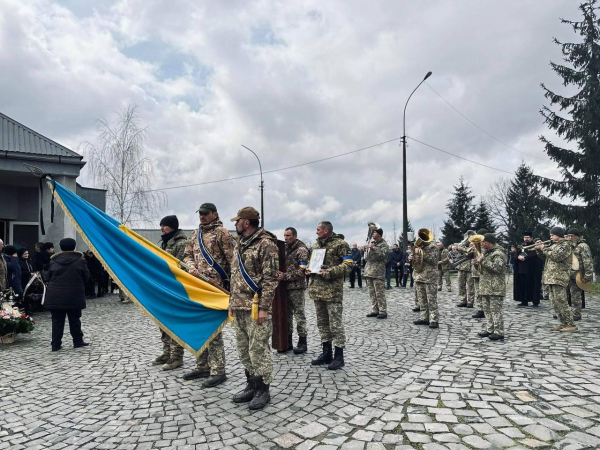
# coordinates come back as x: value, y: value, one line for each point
x: 208, y: 254
x: 528, y: 275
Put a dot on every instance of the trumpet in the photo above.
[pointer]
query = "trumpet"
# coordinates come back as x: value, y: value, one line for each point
x: 527, y: 247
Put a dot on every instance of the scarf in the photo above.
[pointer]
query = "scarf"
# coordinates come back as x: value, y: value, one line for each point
x: 166, y: 237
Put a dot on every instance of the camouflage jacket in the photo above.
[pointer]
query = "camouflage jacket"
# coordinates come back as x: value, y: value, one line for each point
x: 176, y: 245
x: 584, y: 256
x: 445, y: 265
x: 3, y: 273
x: 558, y: 259
x: 492, y: 280
x: 218, y: 242
x: 376, y: 259
x: 296, y: 259
x: 260, y: 257
x: 475, y: 268
x: 337, y: 263
x: 466, y: 266
x: 429, y: 273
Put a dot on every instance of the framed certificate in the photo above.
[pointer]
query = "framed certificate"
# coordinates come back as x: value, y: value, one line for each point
x: 317, y: 257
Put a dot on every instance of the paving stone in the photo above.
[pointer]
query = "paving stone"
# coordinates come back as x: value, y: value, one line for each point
x: 534, y: 443
x: 418, y: 437
x: 288, y: 440
x: 363, y: 435
x: 311, y: 430
x: 446, y: 437
x: 584, y: 438
x: 541, y: 432
x: 512, y: 432
x: 463, y: 429
x: 476, y: 441
x: 353, y: 445
x: 436, y: 427
x: 499, y: 440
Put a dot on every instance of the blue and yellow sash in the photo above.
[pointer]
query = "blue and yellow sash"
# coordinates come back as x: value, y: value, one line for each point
x: 251, y: 284
x: 209, y: 259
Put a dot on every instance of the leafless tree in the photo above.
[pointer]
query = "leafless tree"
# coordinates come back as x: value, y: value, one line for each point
x: 119, y: 165
x: 497, y: 202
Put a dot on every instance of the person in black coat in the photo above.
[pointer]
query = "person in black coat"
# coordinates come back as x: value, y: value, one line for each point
x: 25, y: 265
x: 47, y: 252
x: 67, y: 276
x: 396, y: 260
x: 37, y: 260
x: 13, y: 270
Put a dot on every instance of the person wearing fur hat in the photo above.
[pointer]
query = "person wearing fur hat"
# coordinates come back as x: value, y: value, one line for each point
x: 66, y: 278
x: 558, y: 258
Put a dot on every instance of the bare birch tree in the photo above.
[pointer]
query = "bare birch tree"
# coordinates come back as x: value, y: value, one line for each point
x: 497, y: 203
x: 119, y: 165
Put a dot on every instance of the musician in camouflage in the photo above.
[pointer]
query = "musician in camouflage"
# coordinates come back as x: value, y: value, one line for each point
x: 326, y: 288
x: 443, y: 267
x: 558, y: 259
x: 426, y: 284
x: 218, y: 244
x: 376, y: 255
x: 582, y: 252
x: 296, y: 259
x: 173, y: 241
x: 466, y: 288
x: 492, y: 286
x: 255, y: 262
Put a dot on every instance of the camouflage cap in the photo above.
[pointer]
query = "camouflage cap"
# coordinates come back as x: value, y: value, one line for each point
x: 248, y: 213
x: 207, y: 208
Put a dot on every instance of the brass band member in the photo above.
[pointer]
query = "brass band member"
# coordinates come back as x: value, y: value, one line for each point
x: 586, y: 266
x: 443, y: 268
x: 492, y: 286
x: 426, y: 285
x: 559, y: 259
x: 375, y: 274
x: 466, y: 290
x: 475, y: 271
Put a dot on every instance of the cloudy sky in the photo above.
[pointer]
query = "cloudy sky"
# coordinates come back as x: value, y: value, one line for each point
x: 296, y: 82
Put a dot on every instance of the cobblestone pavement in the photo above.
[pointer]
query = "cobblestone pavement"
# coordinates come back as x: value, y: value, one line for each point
x: 403, y: 386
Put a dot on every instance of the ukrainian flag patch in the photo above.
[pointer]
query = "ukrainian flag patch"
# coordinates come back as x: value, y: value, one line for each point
x: 302, y: 265
x: 347, y: 259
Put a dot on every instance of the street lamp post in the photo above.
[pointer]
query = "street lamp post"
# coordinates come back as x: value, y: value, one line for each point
x: 262, y: 189
x: 404, y: 198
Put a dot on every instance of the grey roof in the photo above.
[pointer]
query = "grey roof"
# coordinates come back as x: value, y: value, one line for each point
x: 16, y: 137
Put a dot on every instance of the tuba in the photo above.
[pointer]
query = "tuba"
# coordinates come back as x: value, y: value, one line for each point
x: 423, y: 235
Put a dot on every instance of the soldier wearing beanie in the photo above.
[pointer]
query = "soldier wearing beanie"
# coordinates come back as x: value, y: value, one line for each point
x: 559, y: 259
x: 426, y: 285
x: 173, y: 241
x: 492, y: 286
x: 582, y: 252
x: 466, y: 287
x: 475, y: 269
x: 376, y: 258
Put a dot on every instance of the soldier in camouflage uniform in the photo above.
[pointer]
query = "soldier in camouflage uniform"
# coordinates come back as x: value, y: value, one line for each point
x: 173, y: 242
x: 218, y: 244
x: 586, y: 266
x: 426, y: 284
x: 254, y: 279
x: 558, y: 259
x: 492, y: 286
x: 466, y: 287
x: 326, y: 288
x: 443, y: 268
x: 376, y: 257
x: 296, y: 259
x: 475, y: 271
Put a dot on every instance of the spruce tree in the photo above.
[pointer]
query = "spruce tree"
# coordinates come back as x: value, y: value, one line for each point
x: 483, y: 218
x: 579, y: 125
x: 461, y: 214
x: 400, y: 240
x: 524, y: 207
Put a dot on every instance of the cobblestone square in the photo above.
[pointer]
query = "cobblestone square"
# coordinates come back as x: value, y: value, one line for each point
x: 404, y: 386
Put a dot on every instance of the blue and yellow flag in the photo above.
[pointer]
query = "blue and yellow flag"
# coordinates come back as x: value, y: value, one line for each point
x: 189, y: 309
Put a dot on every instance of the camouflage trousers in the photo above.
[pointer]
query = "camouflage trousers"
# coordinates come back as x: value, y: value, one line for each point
x: 253, y: 344
x: 444, y: 275
x: 545, y: 290
x: 330, y: 321
x: 426, y: 295
x: 466, y: 288
x: 558, y: 297
x: 377, y: 294
x: 478, y: 303
x: 171, y: 347
x: 213, y: 358
x: 576, y: 299
x: 295, y: 308
x: 492, y: 307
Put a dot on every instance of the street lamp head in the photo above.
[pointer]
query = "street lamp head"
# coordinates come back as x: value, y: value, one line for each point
x: 428, y: 75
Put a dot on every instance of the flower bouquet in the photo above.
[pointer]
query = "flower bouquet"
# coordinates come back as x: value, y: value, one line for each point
x: 12, y: 321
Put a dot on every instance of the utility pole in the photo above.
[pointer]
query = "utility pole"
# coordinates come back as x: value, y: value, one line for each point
x: 395, y: 240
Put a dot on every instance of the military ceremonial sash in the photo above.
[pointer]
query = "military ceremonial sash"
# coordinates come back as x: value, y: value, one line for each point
x: 208, y: 257
x: 252, y: 285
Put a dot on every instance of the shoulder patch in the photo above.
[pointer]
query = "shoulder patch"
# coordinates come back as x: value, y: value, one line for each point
x: 560, y: 250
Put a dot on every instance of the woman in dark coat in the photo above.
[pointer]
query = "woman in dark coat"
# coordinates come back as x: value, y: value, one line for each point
x: 13, y: 270
x: 26, y: 267
x: 65, y: 293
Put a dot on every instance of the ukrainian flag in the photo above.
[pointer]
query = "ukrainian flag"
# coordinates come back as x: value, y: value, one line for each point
x: 189, y: 309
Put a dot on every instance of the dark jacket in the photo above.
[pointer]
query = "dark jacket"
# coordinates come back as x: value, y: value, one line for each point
x: 356, y: 256
x: 13, y: 274
x: 38, y: 261
x: 66, y: 278
x: 26, y: 271
x: 395, y: 257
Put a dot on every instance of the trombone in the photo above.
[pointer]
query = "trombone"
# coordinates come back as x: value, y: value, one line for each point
x: 472, y: 252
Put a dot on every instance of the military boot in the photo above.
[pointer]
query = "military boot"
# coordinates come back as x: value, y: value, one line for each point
x: 196, y: 374
x: 302, y: 346
x: 162, y: 359
x: 261, y: 396
x: 214, y: 380
x: 325, y: 357
x: 290, y: 345
x: 338, y: 359
x: 478, y: 315
x: 247, y: 394
x: 172, y: 364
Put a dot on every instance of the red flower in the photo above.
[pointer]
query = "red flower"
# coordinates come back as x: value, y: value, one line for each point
x: 23, y: 316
